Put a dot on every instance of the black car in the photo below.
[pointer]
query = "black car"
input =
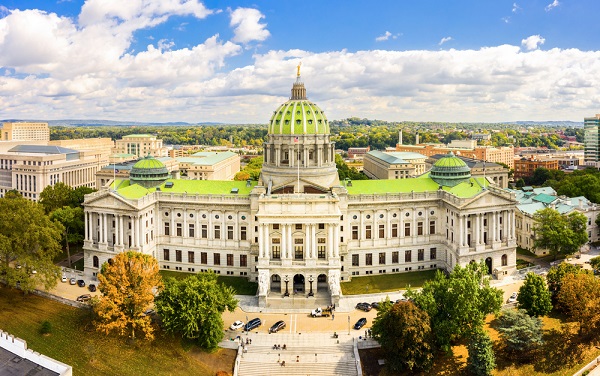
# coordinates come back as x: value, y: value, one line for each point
x: 375, y: 305
x: 92, y: 287
x: 277, y: 327
x: 80, y: 283
x: 252, y: 324
x: 360, y: 323
x: 363, y: 307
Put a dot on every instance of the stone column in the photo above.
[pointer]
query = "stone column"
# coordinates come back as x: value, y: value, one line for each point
x: 290, y: 239
x: 117, y: 230
x: 87, y: 223
x: 105, y: 227
x: 493, y: 228
x: 141, y: 232
x: 197, y: 229
x: 313, y: 239
x: 461, y: 231
x: 336, y: 240
x: 307, y: 242
x: 132, y: 232
x: 329, y: 240
x: 261, y: 243
x: 184, y: 230
x: 121, y: 231
x: 210, y: 229
x: 266, y: 242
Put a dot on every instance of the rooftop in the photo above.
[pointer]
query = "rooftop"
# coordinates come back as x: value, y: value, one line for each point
x: 191, y: 187
x: 397, y: 157
x: 139, y: 135
x: 42, y: 149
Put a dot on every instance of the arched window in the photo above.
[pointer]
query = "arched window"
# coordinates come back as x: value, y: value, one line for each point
x: 96, y: 262
x: 504, y: 260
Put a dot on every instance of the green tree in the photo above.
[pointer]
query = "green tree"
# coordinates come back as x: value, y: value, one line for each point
x: 127, y: 283
x: 595, y: 263
x: 457, y: 304
x: 404, y: 332
x: 578, y: 297
x: 481, y: 360
x: 534, y: 296
x: 56, y: 196
x: 78, y: 195
x: 193, y: 307
x: 558, y: 234
x: 29, y: 241
x: 556, y: 275
x: 521, y: 334
x: 73, y: 223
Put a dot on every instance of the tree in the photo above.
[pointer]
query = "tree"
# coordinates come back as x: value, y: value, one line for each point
x: 556, y: 275
x: 193, y: 307
x: 595, y: 263
x: 534, y: 296
x: 481, y: 360
x: 29, y: 241
x: 557, y: 233
x: 127, y: 284
x: 579, y: 297
x: 78, y: 196
x: 56, y: 196
x: 404, y: 332
x: 457, y: 304
x: 73, y: 224
x: 521, y: 333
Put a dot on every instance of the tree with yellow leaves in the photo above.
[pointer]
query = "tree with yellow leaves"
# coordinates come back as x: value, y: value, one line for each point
x: 579, y: 296
x: 127, y: 282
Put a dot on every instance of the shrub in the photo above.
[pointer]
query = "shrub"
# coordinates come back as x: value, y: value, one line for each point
x: 46, y: 327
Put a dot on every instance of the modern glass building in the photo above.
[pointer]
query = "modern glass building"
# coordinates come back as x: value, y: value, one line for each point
x: 592, y: 140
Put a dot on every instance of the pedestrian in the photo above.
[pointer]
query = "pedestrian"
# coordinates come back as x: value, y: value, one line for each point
x: 332, y: 317
x: 297, y: 358
x: 283, y: 363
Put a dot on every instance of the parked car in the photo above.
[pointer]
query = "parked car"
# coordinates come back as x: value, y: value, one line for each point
x: 360, y: 323
x: 148, y: 312
x: 236, y: 325
x: 64, y: 278
x: 84, y: 298
x: 513, y: 297
x: 375, y: 305
x: 73, y: 281
x: 277, y: 326
x: 92, y: 287
x: 363, y: 307
x: 80, y: 283
x: 252, y: 324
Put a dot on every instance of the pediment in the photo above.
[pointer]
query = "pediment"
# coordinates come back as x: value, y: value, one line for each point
x: 303, y: 182
x: 487, y: 199
x: 108, y: 199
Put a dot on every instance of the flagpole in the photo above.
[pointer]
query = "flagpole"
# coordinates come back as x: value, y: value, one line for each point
x: 298, y: 168
x: 114, y: 177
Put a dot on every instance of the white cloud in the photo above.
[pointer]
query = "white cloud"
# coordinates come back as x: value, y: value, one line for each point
x: 533, y: 42
x: 515, y: 8
x: 506, y: 19
x: 383, y: 37
x: 247, y: 26
x: 444, y: 40
x: 552, y: 5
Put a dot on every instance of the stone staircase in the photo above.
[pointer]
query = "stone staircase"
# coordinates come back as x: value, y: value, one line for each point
x: 332, y: 358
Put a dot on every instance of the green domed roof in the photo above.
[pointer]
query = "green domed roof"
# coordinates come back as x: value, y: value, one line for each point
x: 298, y: 117
x: 148, y: 172
x: 450, y: 171
x: 148, y: 162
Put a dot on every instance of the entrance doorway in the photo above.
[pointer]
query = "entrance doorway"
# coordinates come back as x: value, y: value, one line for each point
x: 488, y: 263
x: 299, y: 283
x: 322, y: 283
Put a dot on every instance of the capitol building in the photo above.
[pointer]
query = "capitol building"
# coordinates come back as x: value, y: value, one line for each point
x: 299, y: 228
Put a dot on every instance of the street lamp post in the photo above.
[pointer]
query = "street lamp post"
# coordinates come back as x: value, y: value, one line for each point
x: 287, y: 280
x: 348, y: 324
x: 310, y: 280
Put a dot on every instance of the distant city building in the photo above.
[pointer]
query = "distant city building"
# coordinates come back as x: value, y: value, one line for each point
x: 25, y: 131
x: 122, y: 170
x: 354, y: 153
x: 101, y: 146
x: 493, y: 172
x: 531, y: 200
x: 140, y: 145
x: 210, y: 165
x: 591, y: 138
x: 17, y: 359
x: 465, y: 148
x: 525, y: 167
x: 481, y: 136
x: 393, y: 165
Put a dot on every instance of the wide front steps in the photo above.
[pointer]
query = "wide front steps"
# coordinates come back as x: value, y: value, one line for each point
x: 293, y: 368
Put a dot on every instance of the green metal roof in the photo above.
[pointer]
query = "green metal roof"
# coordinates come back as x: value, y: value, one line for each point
x: 191, y: 187
x: 450, y: 160
x: 396, y: 157
x: 148, y: 162
x: 298, y: 117
x: 544, y: 198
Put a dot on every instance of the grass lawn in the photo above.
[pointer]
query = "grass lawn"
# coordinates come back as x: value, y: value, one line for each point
x: 240, y: 284
x: 74, y: 342
x: 525, y: 252
x: 386, y: 282
x: 522, y: 263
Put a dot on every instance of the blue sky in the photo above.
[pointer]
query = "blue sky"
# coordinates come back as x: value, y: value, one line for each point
x: 186, y: 60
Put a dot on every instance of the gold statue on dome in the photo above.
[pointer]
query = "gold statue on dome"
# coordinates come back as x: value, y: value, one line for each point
x: 299, y: 64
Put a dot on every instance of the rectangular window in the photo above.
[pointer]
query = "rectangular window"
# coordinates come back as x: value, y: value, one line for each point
x: 407, y: 229
x: 381, y: 231
x: 354, y: 260
x: 321, y: 248
x: 230, y: 232
x: 178, y: 255
x: 368, y: 232
x: 276, y: 248
x: 276, y: 226
x: 243, y: 260
x: 421, y: 255
x: 298, y: 226
x: 179, y: 229
x: 298, y: 249
x: 191, y: 257
x: 243, y: 233
x: 203, y: 258
x: 395, y: 257
x: 217, y: 259
x: 432, y: 253
x: 407, y: 256
x: 354, y: 232
x: 321, y: 226
x: 381, y: 258
x: 191, y: 230
x: 166, y: 254
x: 369, y: 259
x: 432, y: 227
x: 419, y: 228
x: 204, y: 231
x: 217, y: 232
x: 229, y: 259
x: 167, y: 232
x: 394, y: 230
